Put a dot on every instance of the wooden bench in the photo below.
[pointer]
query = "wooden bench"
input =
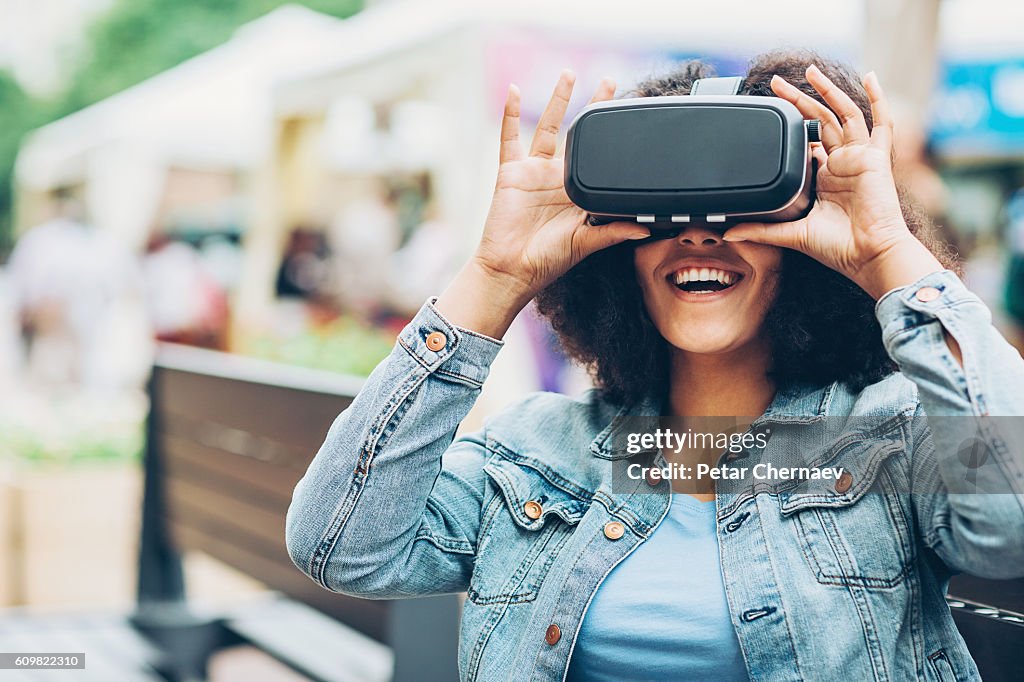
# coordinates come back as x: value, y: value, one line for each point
x: 227, y: 440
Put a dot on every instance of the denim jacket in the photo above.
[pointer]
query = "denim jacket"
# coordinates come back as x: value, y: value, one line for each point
x: 839, y: 582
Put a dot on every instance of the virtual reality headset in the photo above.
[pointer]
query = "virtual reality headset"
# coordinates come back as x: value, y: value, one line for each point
x: 711, y: 156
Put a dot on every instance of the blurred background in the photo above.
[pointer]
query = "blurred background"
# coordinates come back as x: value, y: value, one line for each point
x: 268, y: 185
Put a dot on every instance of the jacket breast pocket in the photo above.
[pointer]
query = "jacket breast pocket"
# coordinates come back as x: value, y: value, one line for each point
x: 524, y: 527
x: 859, y: 531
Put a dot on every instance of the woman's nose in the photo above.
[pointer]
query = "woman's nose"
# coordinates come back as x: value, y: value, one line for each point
x: 700, y: 235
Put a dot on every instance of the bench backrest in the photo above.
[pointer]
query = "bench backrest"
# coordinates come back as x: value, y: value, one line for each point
x: 231, y: 437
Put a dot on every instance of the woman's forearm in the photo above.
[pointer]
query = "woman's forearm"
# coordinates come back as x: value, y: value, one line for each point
x: 358, y: 512
x: 915, y: 320
x: 968, y: 467
x: 484, y: 301
x: 900, y: 266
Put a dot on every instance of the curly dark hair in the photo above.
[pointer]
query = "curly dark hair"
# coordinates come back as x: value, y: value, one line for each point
x: 822, y: 326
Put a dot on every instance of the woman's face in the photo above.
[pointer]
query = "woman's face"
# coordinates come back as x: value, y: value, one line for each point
x: 706, y: 295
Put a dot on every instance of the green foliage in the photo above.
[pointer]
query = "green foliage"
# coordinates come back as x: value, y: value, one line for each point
x: 19, y: 113
x: 39, y: 427
x: 133, y: 41
x: 343, y: 346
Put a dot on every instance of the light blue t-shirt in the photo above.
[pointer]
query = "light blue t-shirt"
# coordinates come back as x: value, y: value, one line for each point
x: 662, y: 614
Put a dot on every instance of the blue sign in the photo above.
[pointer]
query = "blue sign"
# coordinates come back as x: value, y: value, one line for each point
x: 979, y: 109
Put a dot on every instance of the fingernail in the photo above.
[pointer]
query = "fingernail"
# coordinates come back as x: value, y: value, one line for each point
x: 732, y: 238
x: 640, y: 235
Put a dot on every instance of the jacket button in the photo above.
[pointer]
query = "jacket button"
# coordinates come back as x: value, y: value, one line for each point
x: 651, y: 479
x: 613, y: 530
x: 925, y: 294
x: 533, y: 509
x: 844, y: 482
x: 552, y: 635
x: 436, y: 341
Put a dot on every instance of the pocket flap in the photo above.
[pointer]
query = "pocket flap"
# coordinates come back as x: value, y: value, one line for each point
x: 861, y: 461
x: 520, y: 484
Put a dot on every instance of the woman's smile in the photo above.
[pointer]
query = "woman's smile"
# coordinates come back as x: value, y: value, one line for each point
x: 703, y: 279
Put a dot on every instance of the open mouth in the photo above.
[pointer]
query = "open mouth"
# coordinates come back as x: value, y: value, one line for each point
x: 704, y: 280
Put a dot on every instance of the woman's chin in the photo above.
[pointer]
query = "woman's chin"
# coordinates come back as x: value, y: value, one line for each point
x: 706, y: 344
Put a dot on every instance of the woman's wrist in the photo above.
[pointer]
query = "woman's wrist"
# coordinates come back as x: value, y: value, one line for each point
x: 483, y: 300
x: 901, y: 264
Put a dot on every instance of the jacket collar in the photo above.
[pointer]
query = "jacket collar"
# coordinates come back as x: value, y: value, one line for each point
x: 795, y: 403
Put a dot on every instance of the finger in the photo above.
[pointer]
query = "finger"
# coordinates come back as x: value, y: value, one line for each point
x: 605, y: 91
x: 545, y: 140
x: 831, y: 128
x: 819, y: 154
x: 845, y: 165
x: 786, y: 235
x: 510, y: 147
x: 855, y: 130
x: 596, y: 237
x: 881, y: 120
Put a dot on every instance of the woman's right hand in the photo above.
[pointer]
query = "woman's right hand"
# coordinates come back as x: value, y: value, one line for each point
x: 533, y: 233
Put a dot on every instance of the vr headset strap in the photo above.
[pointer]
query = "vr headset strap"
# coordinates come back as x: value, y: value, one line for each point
x: 729, y: 85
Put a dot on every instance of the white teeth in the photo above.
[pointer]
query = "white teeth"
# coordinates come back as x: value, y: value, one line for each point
x: 705, y: 275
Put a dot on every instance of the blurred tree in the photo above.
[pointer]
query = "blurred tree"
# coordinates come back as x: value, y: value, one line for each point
x: 134, y: 40
x: 19, y: 113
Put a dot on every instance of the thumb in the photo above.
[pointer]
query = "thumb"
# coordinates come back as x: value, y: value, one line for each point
x: 596, y: 237
x: 786, y: 235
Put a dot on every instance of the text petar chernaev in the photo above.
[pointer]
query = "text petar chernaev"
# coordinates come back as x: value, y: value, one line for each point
x: 669, y: 440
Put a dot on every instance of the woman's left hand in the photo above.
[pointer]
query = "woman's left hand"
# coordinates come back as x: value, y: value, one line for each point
x: 856, y: 225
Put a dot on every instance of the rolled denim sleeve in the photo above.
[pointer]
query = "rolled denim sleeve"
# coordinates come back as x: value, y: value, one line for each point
x: 390, y: 505
x: 967, y: 437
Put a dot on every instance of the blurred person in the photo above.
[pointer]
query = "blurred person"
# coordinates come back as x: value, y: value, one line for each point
x: 186, y: 302
x: 854, y: 309
x: 76, y: 292
x: 303, y: 272
x: 428, y: 257
x: 222, y: 258
x: 916, y: 170
x: 10, y: 333
x: 303, y: 286
x: 363, y: 237
x: 1013, y: 291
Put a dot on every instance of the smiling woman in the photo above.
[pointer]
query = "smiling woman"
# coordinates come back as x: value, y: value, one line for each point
x: 574, y: 574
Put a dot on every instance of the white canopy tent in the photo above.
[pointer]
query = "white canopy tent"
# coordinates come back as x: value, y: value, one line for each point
x: 210, y: 112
